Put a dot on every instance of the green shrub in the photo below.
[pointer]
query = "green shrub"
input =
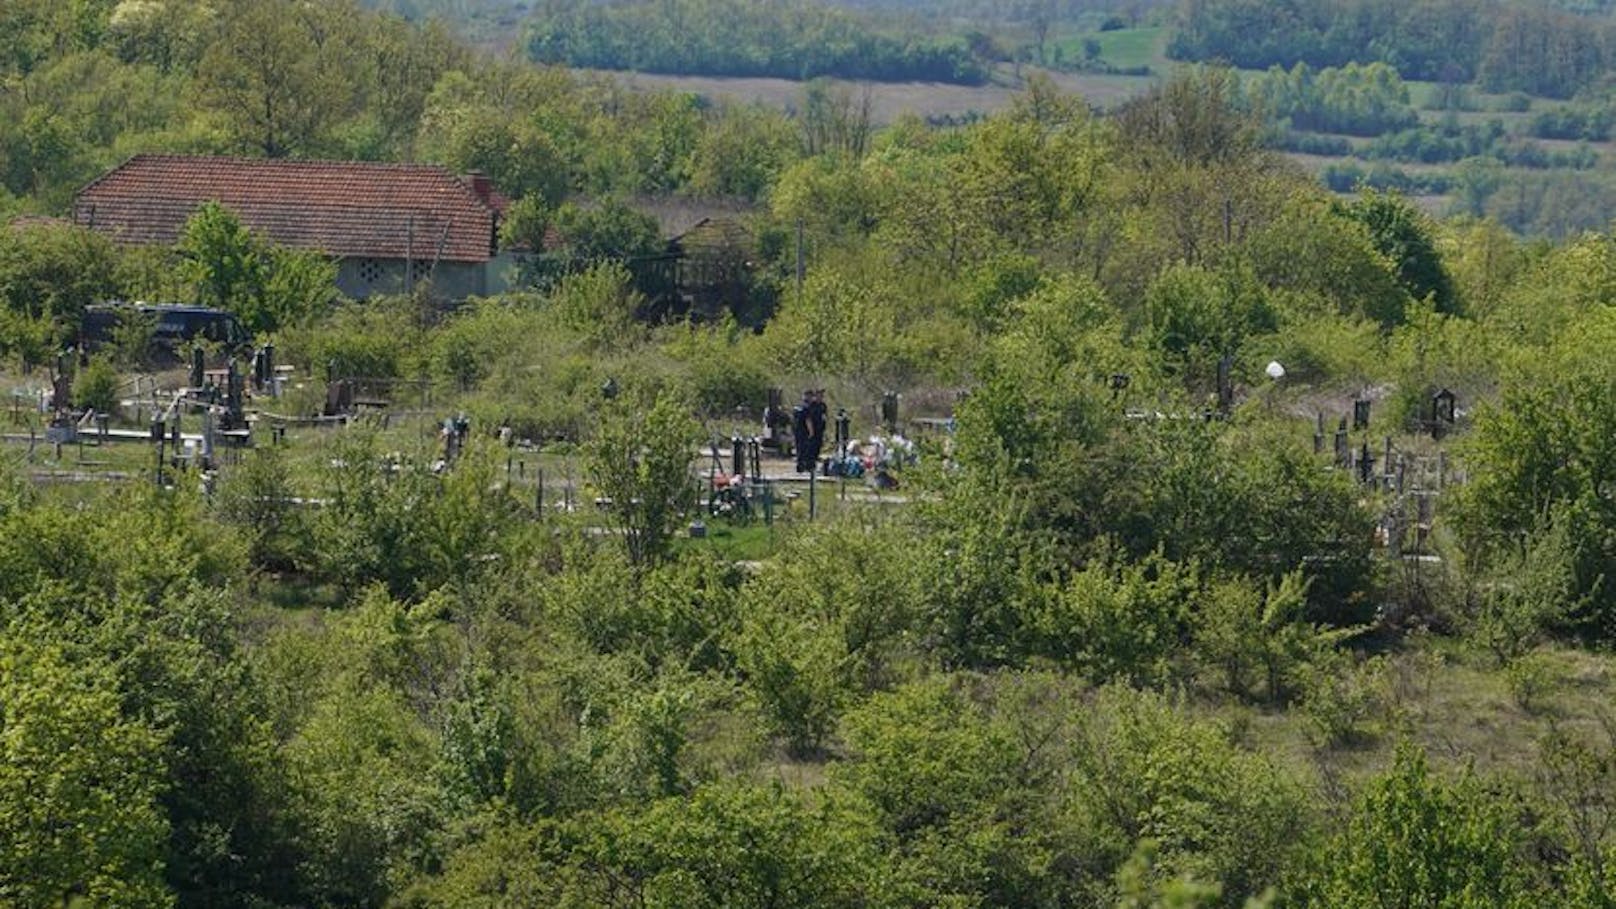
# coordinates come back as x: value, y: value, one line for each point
x: 1415, y: 839
x: 1531, y: 677
x: 1339, y: 695
x: 378, y: 338
x: 1115, y: 620
x: 96, y: 387
x: 485, y: 337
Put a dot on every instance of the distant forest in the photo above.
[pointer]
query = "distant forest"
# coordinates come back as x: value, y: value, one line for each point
x: 1550, y: 48
x: 743, y: 38
x: 1538, y: 49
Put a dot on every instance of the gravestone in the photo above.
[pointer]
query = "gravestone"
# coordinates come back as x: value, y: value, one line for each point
x: 1366, y: 465
x: 1444, y: 412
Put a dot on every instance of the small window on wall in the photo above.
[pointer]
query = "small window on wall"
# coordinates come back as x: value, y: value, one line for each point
x: 370, y: 272
x: 420, y: 271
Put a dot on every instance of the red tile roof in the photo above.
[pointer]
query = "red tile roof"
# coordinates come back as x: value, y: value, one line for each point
x: 341, y: 208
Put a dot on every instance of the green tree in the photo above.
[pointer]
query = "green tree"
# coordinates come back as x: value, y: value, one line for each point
x: 1539, y: 458
x: 1252, y: 633
x: 1144, y: 768
x: 519, y: 158
x: 1198, y: 317
x: 48, y: 275
x: 222, y: 257
x: 641, y: 463
x: 169, y: 36
x: 1191, y: 118
x: 266, y: 286
x: 525, y: 224
x: 611, y: 230
x: 96, y: 387
x: 365, y: 765
x: 942, y: 775
x: 741, y: 152
x: 609, y: 240
x: 79, y: 784
x: 825, y: 624
x: 600, y: 304
x: 269, y: 75
x: 257, y: 496
x: 1404, y: 236
x: 1312, y: 251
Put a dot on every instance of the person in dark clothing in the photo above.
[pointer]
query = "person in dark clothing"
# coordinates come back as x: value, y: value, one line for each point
x: 817, y: 416
x: 801, y: 432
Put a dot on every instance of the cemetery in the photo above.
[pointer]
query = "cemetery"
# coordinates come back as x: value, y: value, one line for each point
x: 433, y: 479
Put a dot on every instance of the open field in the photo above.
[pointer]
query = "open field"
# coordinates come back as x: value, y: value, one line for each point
x: 1129, y: 47
x: 891, y: 100
x: 1125, y: 48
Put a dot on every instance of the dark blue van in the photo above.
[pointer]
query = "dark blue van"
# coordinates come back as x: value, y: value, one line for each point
x: 173, y: 327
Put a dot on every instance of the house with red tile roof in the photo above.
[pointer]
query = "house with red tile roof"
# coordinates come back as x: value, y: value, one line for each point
x: 391, y: 227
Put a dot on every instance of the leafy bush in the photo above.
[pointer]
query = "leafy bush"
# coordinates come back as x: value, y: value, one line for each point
x: 641, y: 463
x: 479, y: 339
x: 1340, y: 693
x: 1416, y: 839
x: 378, y: 338
x: 96, y: 387
x: 1251, y: 633
x: 1113, y: 620
x: 48, y: 275
x: 256, y: 496
x: 826, y: 625
x: 1142, y: 768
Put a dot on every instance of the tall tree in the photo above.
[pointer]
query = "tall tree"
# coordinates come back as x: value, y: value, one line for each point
x: 269, y: 75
